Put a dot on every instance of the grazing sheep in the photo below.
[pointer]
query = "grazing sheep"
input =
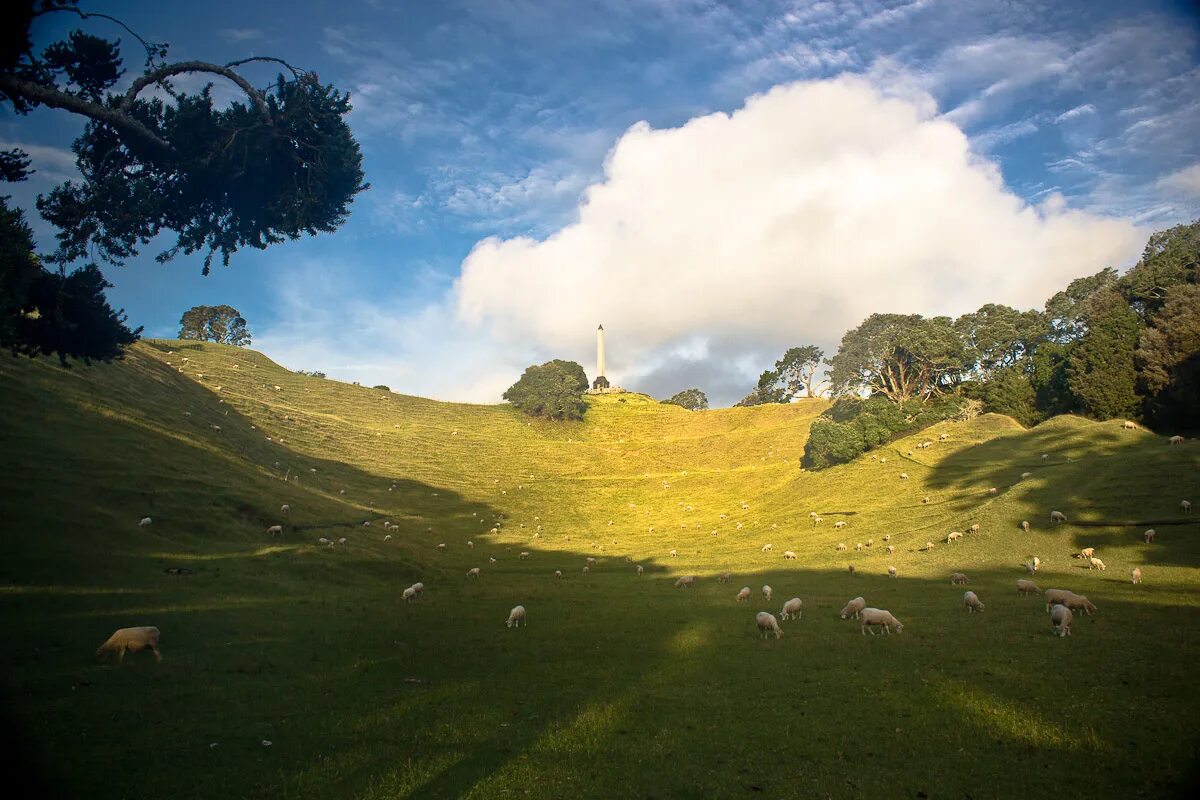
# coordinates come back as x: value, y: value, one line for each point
x: 342, y: 541
x: 891, y: 572
x: 387, y: 538
x: 891, y: 548
x: 972, y: 602
x: 323, y: 540
x: 767, y: 624
x: 837, y: 526
x: 1056, y: 597
x: 858, y: 546
x: 1087, y: 552
x: 1045, y: 456
x: 993, y: 491
x: 1095, y: 563
x: 409, y: 595
x: 953, y: 536
x: 928, y: 546
x: 974, y: 528
x: 131, y: 640
x: 871, y: 617
x: 685, y: 582
x: 1025, y: 475
x: 491, y: 559
x: 587, y: 570
x: 853, y: 608
x: 925, y: 500
x: 441, y: 546
x: 1033, y: 565
x: 1077, y: 602
x: 1185, y: 506
x: 1129, y: 426
x: 1027, y: 587
x: 640, y: 570
x: 285, y: 509
x: 674, y: 553
x: 590, y: 561
x: 1175, y: 440
x: 766, y: 591
x: 524, y: 555
x: 841, y: 546
x: 470, y: 544
x: 1058, y: 517
x: 275, y: 530
x: 887, y: 537
x: 959, y: 578
x: 766, y: 548
x: 870, y: 542
x: 145, y: 522
x: 943, y: 437
x: 817, y: 521
x: 558, y: 573
x: 903, y: 476
x: 788, y: 555
x: 516, y: 616
x: 724, y: 577
x: 1061, y: 618
x: 1025, y: 525
x: 1149, y: 536
x: 743, y: 595
x: 1136, y: 575
x: 792, y: 609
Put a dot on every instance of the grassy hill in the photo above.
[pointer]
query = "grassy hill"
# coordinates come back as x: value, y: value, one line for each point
x: 621, y: 686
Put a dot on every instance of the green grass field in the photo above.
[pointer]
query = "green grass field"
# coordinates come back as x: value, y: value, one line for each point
x: 620, y: 686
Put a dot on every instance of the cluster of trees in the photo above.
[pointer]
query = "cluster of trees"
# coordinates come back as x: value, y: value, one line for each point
x: 794, y: 375
x: 691, y: 399
x: 1107, y: 346
x: 220, y: 324
x: 279, y: 164
x: 554, y: 390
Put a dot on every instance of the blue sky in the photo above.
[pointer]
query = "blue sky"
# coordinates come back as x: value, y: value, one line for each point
x: 714, y: 182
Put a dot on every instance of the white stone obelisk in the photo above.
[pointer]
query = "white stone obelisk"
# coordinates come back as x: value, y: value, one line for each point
x: 600, y: 352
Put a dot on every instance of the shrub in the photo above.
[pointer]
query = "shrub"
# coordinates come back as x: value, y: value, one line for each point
x: 554, y: 389
x: 691, y: 399
x: 854, y: 425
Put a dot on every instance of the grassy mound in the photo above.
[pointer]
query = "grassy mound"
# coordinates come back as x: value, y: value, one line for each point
x: 621, y: 686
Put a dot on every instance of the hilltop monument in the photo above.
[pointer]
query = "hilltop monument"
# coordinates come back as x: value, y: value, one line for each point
x: 601, y: 385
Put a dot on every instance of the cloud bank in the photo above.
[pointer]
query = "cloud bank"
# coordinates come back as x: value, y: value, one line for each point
x: 708, y: 247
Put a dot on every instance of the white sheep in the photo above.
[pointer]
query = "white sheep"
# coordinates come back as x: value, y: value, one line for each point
x: 473, y: 572
x: 972, y: 602
x: 767, y: 624
x: 516, y: 617
x: 590, y: 561
x: 927, y: 547
x: 1175, y: 440
x: 1149, y: 536
x: 792, y: 609
x: 1027, y: 587
x: 891, y: 548
x: 470, y: 544
x: 1129, y: 426
x: 1185, y: 506
x: 1136, y: 575
x: 841, y: 546
x: 871, y: 617
x: 685, y: 582
x: 640, y: 570
x: 817, y: 521
x: 342, y: 541
x: 275, y: 530
x: 387, y: 538
x: 523, y: 555
x: 953, y: 536
x: 1025, y: 525
x: 131, y: 640
x: 1077, y: 602
x: 887, y: 537
x: 858, y: 546
x: 766, y: 548
x: 1058, y: 517
x: 1056, y: 597
x: 441, y: 546
x: 974, y: 528
x: 743, y: 595
x: 587, y: 570
x: 674, y: 552
x: 323, y: 540
x: 766, y: 592
x: 285, y: 509
x: 1087, y: 552
x: 491, y: 559
x: 788, y: 555
x: 854, y: 608
x: 903, y: 476
x: 724, y: 577
x: 145, y: 522
x: 1061, y: 618
x: 409, y: 595
x: 837, y: 526
x: 959, y: 578
x: 891, y: 572
x: 418, y: 587
x: 558, y: 573
x: 1095, y: 563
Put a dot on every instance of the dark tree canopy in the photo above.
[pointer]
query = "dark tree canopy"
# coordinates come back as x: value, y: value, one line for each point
x: 900, y: 357
x: 998, y: 337
x: 1100, y: 370
x: 221, y: 324
x: 1171, y: 258
x: 277, y: 165
x: 554, y: 389
x: 691, y: 399
x: 1168, y: 359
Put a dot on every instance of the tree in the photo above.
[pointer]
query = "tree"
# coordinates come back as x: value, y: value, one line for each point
x: 279, y: 164
x: 1168, y: 358
x: 691, y: 399
x: 554, y: 389
x: 1171, y: 258
x: 766, y: 391
x: 998, y: 337
x: 1007, y: 391
x: 1065, y: 311
x: 900, y: 357
x: 1100, y: 369
x: 46, y: 313
x: 797, y: 371
x: 220, y: 324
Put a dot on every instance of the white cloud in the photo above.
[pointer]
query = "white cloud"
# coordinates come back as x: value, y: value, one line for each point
x: 238, y: 35
x: 51, y: 163
x: 1077, y: 111
x: 1185, y: 181
x: 788, y: 221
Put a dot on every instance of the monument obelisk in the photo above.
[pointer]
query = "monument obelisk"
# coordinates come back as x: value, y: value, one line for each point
x: 600, y: 384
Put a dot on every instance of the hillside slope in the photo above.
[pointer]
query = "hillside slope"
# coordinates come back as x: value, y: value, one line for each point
x: 285, y: 640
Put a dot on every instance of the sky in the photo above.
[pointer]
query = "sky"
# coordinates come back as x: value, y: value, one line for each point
x: 714, y: 182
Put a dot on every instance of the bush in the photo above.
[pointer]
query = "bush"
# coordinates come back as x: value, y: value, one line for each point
x: 554, y: 389
x: 691, y: 399
x: 854, y: 425
x: 383, y: 387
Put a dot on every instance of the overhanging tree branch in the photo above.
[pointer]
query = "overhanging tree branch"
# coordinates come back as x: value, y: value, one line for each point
x: 162, y: 73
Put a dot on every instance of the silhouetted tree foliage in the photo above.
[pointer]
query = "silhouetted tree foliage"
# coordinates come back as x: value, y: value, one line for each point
x: 221, y: 324
x: 901, y: 357
x: 691, y: 399
x: 276, y: 165
x: 1168, y: 359
x: 554, y: 390
x: 1100, y: 369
